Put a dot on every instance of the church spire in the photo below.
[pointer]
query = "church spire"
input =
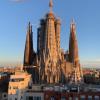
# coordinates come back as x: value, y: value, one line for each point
x: 28, y: 53
x: 73, y: 46
x: 73, y: 55
x: 51, y: 5
x: 73, y: 27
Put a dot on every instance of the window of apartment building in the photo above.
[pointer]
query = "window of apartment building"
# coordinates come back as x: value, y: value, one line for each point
x: 15, y: 87
x: 75, y: 98
x: 29, y: 98
x: 70, y: 98
x: 33, y: 98
x: 37, y: 98
x: 9, y: 87
x: 52, y: 98
x: 63, y: 98
x: 4, y: 95
x: 15, y: 98
x: 89, y: 97
x: 82, y: 97
x: 96, y: 98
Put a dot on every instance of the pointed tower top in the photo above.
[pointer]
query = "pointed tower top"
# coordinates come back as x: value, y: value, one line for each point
x: 73, y: 28
x: 51, y: 5
x: 28, y: 53
x: 29, y: 24
x: 72, y: 22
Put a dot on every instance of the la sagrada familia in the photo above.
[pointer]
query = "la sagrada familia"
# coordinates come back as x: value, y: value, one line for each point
x: 51, y: 64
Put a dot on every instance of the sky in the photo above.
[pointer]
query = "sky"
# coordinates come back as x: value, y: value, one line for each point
x: 15, y: 15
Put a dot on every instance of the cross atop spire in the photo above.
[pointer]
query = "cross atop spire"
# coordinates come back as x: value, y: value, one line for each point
x: 51, y: 5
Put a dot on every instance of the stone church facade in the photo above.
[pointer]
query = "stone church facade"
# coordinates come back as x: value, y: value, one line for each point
x: 50, y: 64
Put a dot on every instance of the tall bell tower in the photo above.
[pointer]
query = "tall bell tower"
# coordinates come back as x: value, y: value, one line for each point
x: 76, y: 75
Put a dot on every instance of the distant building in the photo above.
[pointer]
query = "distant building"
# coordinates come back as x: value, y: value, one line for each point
x: 53, y: 65
x: 56, y: 92
x: 17, y: 85
x: 51, y: 95
x: 35, y: 93
x: 3, y: 76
